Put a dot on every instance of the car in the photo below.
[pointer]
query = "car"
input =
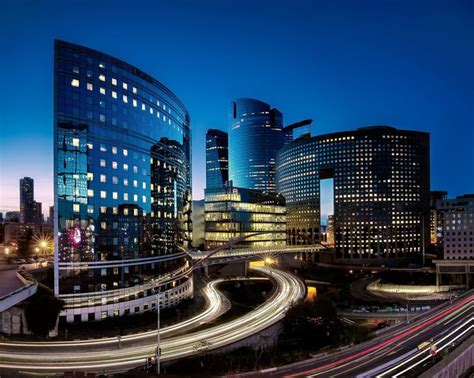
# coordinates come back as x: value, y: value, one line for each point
x: 20, y: 261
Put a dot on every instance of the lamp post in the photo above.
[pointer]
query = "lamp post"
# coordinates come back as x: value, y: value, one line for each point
x: 158, y: 349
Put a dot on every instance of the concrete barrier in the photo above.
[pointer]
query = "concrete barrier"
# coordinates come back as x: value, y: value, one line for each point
x: 409, y: 289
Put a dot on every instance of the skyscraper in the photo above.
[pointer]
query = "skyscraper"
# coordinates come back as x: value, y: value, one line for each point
x: 381, y: 190
x: 122, y: 187
x: 255, y: 136
x: 27, y: 190
x: 436, y: 216
x: 217, y: 158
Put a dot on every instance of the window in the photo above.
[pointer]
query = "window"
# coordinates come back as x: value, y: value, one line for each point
x: 75, y: 142
x: 76, y: 207
x: 135, y: 183
x: 114, y: 150
x: 135, y: 197
x: 125, y: 152
x: 103, y: 194
x: 90, y: 87
x: 114, y: 180
x: 102, y: 117
x: 135, y: 169
x: 103, y: 209
x: 102, y: 162
x: 90, y: 193
x: 90, y: 209
x: 144, y: 185
x: 143, y: 106
x: 75, y: 83
x: 103, y: 148
x: 125, y: 181
x: 134, y: 103
x: 101, y: 77
x: 125, y: 198
x: 125, y: 99
x: 102, y: 91
x: 125, y: 86
x: 114, y: 195
x: 114, y: 165
x: 114, y: 81
x: 103, y: 178
x: 90, y: 176
x: 144, y: 199
x: 125, y: 167
x: 134, y: 90
x: 114, y: 94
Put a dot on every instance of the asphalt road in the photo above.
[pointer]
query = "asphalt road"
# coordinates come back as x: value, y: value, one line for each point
x: 394, y: 352
x: 105, y: 356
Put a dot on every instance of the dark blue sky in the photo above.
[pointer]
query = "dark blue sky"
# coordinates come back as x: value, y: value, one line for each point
x: 343, y: 63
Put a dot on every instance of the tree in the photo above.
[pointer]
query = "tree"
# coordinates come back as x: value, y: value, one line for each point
x: 42, y: 310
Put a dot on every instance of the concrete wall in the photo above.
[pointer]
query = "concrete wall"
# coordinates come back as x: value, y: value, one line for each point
x: 409, y: 289
x: 454, y: 364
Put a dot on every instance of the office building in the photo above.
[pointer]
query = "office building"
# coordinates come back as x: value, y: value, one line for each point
x: 27, y: 190
x: 122, y: 187
x: 255, y: 136
x: 381, y: 190
x: 233, y: 212
x: 436, y: 216
x: 217, y: 158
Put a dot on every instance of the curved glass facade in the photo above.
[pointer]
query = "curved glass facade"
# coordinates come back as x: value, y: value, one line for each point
x: 217, y: 158
x: 254, y: 139
x: 122, y: 186
x: 381, y: 190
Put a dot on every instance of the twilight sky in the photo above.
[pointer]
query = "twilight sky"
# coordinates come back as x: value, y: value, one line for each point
x: 344, y: 64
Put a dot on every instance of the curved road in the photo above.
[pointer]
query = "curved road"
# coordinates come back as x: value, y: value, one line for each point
x: 97, y: 356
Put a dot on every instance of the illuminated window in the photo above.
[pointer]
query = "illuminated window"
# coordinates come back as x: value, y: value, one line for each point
x: 114, y: 165
x: 103, y: 178
x: 103, y: 194
x: 90, y: 146
x: 90, y: 209
x: 135, y: 169
x: 124, y: 85
x: 144, y: 185
x: 135, y: 183
x: 90, y: 176
x: 102, y: 117
x: 125, y: 99
x: 114, y: 150
x: 114, y: 180
x: 103, y: 209
x: 125, y: 181
x: 103, y: 148
x: 135, y: 197
x: 125, y: 197
x: 114, y: 94
x: 144, y: 199
x: 134, y: 102
x: 143, y: 106
x: 125, y: 152
x: 90, y: 87
x: 101, y: 77
x: 125, y: 167
x: 75, y: 83
x: 134, y: 90
x: 102, y: 162
x: 114, y: 195
x: 114, y: 81
x: 102, y: 91
x: 76, y: 207
x: 75, y: 142
x: 135, y: 212
x: 90, y: 193
x: 125, y: 211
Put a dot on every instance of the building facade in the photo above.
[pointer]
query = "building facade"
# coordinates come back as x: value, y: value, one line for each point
x: 436, y: 217
x: 255, y: 136
x: 233, y: 212
x: 217, y: 158
x: 27, y: 200
x: 458, y: 227
x: 122, y: 187
x: 381, y: 190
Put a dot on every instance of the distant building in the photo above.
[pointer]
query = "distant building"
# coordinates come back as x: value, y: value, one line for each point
x: 436, y: 216
x: 27, y: 200
x: 198, y: 223
x: 458, y: 233
x: 255, y: 137
x: 51, y: 216
x: 381, y: 190
x: 217, y: 158
x: 330, y: 232
x: 37, y: 213
x: 12, y: 216
x: 233, y: 212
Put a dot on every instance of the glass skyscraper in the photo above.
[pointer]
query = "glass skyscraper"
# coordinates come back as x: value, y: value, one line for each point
x: 381, y: 190
x: 255, y: 136
x: 122, y: 187
x: 217, y: 158
x: 27, y: 190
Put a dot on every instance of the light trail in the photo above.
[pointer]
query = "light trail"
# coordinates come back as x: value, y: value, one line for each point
x: 289, y: 290
x: 376, y: 347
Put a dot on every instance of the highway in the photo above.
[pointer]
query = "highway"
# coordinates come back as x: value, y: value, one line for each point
x: 105, y: 356
x: 394, y: 351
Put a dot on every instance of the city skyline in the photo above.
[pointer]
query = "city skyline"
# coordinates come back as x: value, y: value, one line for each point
x: 340, y: 87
